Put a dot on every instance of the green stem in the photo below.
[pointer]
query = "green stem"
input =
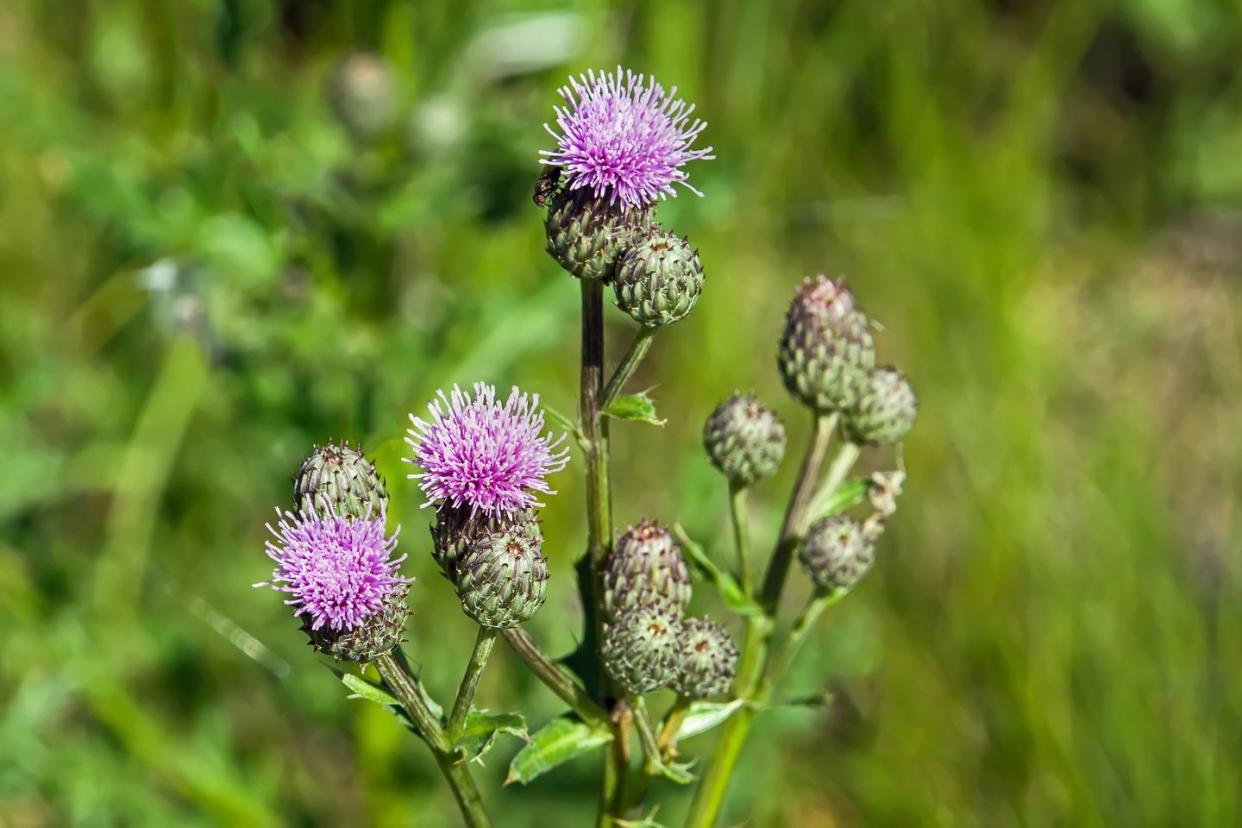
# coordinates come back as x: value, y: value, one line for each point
x: 456, y: 773
x: 672, y: 723
x: 629, y: 364
x: 470, y: 682
x: 846, y: 457
x: 739, y: 515
x: 557, y: 680
x: 818, y: 602
x: 646, y: 735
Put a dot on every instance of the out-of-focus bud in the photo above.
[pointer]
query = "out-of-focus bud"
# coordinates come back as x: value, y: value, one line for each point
x: 835, y: 553
x: 362, y: 96
x: 658, y: 280
x: 645, y: 569
x: 706, y: 659
x: 640, y: 649
x: 886, y: 408
x: 337, y: 479
x: 826, y: 350
x: 744, y: 439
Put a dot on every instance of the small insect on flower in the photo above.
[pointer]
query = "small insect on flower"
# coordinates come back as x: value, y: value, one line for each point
x: 338, y: 572
x: 480, y: 454
x: 624, y: 138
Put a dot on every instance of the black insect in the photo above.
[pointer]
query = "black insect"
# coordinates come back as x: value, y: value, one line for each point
x: 547, y: 185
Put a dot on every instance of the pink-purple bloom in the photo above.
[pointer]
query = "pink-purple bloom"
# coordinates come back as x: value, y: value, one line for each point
x: 623, y: 137
x: 482, y: 454
x: 338, y: 571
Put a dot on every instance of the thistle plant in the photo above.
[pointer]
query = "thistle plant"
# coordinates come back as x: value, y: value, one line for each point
x: 483, y: 460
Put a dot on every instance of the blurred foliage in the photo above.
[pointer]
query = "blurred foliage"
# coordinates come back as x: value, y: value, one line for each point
x: 209, y: 260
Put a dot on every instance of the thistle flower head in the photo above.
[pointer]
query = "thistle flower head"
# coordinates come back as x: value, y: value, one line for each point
x: 624, y: 138
x: 480, y: 454
x: 338, y: 572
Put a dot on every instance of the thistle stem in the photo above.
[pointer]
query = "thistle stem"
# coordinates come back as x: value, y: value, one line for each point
x: 483, y: 645
x: 815, y: 606
x: 629, y: 364
x: 846, y: 457
x: 672, y: 723
x: 557, y: 680
x: 740, y: 518
x: 646, y: 735
x: 456, y: 773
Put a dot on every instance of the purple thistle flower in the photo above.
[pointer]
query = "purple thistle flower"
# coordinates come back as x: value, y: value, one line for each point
x: 484, y: 454
x: 339, y: 571
x: 622, y: 136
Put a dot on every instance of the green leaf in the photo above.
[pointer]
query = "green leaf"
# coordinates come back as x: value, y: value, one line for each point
x: 678, y: 772
x: 560, y: 419
x: 731, y: 592
x: 556, y: 743
x: 638, y: 407
x: 362, y: 689
x: 846, y: 496
x: 703, y: 716
x: 482, y: 728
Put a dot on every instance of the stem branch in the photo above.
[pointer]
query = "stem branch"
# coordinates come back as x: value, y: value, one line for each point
x: 629, y: 364
x: 470, y: 682
x: 557, y: 680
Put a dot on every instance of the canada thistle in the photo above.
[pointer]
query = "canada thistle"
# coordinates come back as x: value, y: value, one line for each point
x: 886, y: 408
x: 744, y: 439
x: 455, y: 529
x: 836, y: 553
x: 640, y: 650
x: 339, y: 480
x: 645, y: 569
x: 658, y: 280
x: 502, y: 575
x: 587, y: 234
x: 706, y: 659
x: 342, y: 581
x: 826, y: 350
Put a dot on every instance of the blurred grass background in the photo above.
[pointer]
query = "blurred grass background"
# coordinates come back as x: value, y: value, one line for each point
x: 202, y: 272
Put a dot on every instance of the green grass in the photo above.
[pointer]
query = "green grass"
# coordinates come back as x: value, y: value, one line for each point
x: 1033, y: 198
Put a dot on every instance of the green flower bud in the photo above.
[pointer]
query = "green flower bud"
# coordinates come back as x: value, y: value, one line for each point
x: 362, y: 97
x: 645, y: 569
x: 339, y: 480
x: 640, y: 649
x: 658, y: 280
x: 826, y: 350
x: 376, y: 636
x: 456, y: 528
x: 587, y: 235
x: 836, y: 554
x: 706, y: 659
x: 886, y: 408
x: 744, y: 439
x: 502, y: 575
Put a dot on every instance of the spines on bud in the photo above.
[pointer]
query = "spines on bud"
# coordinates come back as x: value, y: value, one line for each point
x: 456, y: 528
x: 744, y: 439
x: 339, y: 480
x: 658, y: 280
x: 645, y: 569
x: 836, y: 553
x: 706, y: 659
x: 587, y: 234
x: 377, y: 635
x: 502, y: 575
x: 826, y: 350
x: 886, y: 408
x: 640, y: 650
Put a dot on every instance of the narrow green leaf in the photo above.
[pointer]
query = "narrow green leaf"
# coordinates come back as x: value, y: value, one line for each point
x: 703, y: 716
x: 678, y: 772
x: 556, y: 743
x: 637, y: 407
x: 362, y: 689
x: 482, y: 728
x: 730, y: 590
x: 560, y: 419
x: 846, y: 496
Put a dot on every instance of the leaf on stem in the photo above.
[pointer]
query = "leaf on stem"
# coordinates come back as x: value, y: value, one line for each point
x: 554, y: 744
x: 638, y: 407
x: 360, y: 688
x: 730, y: 590
x: 482, y: 728
x: 846, y: 496
x: 704, y: 715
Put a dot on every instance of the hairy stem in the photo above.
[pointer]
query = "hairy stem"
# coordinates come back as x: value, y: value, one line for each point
x: 470, y: 682
x: 740, y: 516
x: 456, y: 773
x: 557, y: 680
x: 629, y: 364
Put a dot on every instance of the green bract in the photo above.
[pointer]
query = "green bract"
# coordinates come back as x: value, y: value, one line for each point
x: 886, y: 408
x: 645, y: 569
x: 744, y: 439
x: 640, y: 650
x: 826, y: 350
x: 706, y: 659
x: 339, y: 480
x: 836, y: 553
x: 503, y: 574
x: 587, y: 235
x: 658, y: 280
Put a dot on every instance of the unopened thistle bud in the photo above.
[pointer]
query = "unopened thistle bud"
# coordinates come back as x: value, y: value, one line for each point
x: 886, y: 408
x: 658, y: 280
x: 836, y: 554
x: 640, y: 649
x: 827, y: 349
x: 362, y: 97
x: 645, y: 569
x: 456, y: 528
x: 587, y: 234
x: 744, y: 439
x: 706, y: 659
x: 339, y: 480
x: 502, y: 575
